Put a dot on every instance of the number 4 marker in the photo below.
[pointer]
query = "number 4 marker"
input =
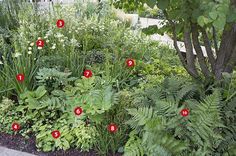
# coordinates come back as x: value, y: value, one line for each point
x: 112, y: 128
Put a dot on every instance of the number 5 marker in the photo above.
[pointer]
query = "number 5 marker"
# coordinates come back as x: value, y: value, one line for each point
x: 55, y: 134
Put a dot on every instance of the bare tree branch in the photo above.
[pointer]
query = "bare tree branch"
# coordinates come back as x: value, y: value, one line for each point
x: 232, y: 62
x: 182, y: 59
x: 209, y: 50
x: 189, y: 52
x: 215, y: 40
x: 198, y: 49
x: 225, y: 50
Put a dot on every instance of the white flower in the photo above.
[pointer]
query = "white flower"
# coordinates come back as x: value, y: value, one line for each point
x: 73, y: 41
x: 47, y: 41
x: 17, y: 54
x: 69, y: 32
x: 1, y: 62
x: 39, y: 38
x: 29, y: 52
x: 32, y: 44
x: 61, y: 40
x: 40, y: 48
x: 46, y: 37
x: 53, y: 47
x: 54, y: 44
x: 29, y: 48
x: 59, y: 35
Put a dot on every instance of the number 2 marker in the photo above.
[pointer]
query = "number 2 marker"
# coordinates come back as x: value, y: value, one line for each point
x: 40, y: 43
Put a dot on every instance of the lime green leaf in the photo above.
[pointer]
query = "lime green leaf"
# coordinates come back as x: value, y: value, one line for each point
x: 213, y: 15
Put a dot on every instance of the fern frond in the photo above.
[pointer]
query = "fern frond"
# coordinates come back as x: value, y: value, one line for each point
x: 133, y: 147
x: 140, y: 116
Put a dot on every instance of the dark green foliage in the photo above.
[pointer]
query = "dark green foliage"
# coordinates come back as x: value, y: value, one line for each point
x: 95, y: 57
x: 208, y: 130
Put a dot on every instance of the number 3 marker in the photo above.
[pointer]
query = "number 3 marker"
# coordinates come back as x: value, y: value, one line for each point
x: 60, y: 23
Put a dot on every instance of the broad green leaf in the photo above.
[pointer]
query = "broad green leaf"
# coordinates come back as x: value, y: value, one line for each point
x: 151, y: 3
x: 213, y: 15
x: 163, y: 4
x: 220, y: 22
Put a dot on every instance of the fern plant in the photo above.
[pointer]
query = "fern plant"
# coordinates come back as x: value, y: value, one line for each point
x: 161, y: 130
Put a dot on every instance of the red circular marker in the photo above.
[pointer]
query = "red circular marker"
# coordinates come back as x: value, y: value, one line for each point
x: 184, y: 112
x: 112, y: 128
x: 60, y: 23
x: 55, y: 134
x: 15, y: 126
x: 130, y: 62
x: 20, y: 77
x: 40, y: 43
x: 88, y: 73
x: 78, y: 111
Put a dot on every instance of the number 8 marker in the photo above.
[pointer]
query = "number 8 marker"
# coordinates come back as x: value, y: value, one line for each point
x: 15, y: 127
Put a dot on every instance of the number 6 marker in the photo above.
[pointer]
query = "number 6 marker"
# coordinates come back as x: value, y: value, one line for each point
x: 78, y: 111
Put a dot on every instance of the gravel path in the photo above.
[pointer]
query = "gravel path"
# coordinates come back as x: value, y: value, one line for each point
x: 9, y: 152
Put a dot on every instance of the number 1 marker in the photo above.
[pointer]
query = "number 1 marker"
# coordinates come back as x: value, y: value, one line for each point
x: 20, y: 77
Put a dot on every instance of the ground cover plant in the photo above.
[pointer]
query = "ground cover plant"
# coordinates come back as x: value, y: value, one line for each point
x: 76, y: 78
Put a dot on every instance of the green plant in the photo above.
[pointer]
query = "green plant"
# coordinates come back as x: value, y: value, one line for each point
x: 210, y: 21
x: 160, y: 128
x: 53, y: 79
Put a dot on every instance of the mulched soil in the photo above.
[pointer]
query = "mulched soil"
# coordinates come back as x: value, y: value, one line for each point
x: 17, y: 142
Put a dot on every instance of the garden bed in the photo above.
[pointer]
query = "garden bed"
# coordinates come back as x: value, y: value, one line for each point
x: 18, y: 142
